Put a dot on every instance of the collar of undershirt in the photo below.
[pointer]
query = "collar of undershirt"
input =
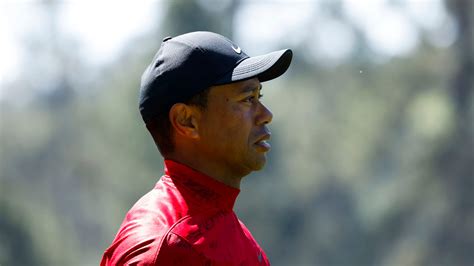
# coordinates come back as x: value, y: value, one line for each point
x: 201, y: 187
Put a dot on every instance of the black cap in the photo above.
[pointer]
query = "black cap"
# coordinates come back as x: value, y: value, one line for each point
x: 189, y: 63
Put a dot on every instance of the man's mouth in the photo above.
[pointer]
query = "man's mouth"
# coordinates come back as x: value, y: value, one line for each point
x: 263, y: 143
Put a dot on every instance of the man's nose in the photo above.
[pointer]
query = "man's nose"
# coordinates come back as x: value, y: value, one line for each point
x: 265, y: 116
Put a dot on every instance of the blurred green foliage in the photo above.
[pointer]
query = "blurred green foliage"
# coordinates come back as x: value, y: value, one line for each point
x: 372, y: 162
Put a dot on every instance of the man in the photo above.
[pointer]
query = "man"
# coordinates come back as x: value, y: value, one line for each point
x: 200, y: 100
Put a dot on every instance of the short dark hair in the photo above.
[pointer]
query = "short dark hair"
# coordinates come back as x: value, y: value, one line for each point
x: 160, y: 128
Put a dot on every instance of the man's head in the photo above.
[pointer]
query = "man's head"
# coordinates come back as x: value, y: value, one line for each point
x: 200, y: 96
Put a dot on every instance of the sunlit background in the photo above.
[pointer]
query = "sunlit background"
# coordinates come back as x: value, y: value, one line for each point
x: 372, y: 136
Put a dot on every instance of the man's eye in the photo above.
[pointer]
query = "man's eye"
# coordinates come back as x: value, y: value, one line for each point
x: 250, y: 99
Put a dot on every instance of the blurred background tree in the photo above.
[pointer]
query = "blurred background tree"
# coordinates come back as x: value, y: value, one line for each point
x: 373, y: 130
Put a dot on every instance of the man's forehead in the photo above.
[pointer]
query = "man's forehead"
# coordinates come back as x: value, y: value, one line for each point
x: 241, y: 87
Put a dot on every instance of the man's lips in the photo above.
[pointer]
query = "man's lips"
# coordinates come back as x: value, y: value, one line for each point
x: 262, y: 142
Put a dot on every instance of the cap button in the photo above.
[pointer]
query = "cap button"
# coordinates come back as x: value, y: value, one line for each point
x: 167, y: 38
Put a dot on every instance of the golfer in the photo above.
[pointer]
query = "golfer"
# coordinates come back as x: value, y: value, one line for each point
x: 200, y: 101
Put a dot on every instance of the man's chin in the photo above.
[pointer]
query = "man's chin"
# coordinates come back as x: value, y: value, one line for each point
x: 259, y: 162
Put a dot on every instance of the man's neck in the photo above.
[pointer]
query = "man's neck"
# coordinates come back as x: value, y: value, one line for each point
x: 211, y: 169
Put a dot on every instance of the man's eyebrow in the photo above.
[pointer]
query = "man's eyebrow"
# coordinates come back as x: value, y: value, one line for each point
x: 251, y: 88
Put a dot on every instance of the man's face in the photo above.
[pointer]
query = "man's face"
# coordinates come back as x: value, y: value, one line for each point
x: 233, y: 130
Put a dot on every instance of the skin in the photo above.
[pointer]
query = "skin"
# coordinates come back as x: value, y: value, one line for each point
x: 228, y: 139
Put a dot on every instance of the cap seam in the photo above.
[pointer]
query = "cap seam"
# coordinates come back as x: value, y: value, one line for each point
x: 188, y: 44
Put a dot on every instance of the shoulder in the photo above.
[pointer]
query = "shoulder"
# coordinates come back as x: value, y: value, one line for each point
x: 144, y: 243
x: 176, y: 250
x: 137, y: 241
x: 145, y: 229
x: 203, y: 226
x: 210, y: 233
x: 149, y: 250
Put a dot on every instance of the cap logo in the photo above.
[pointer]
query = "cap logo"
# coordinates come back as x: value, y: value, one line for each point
x: 236, y: 49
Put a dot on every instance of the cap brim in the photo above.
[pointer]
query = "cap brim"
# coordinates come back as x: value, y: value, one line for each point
x: 264, y: 67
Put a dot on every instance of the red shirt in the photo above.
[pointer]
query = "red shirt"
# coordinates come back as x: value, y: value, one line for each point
x: 187, y: 219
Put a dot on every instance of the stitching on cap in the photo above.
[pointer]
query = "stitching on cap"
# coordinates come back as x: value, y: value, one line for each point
x: 188, y: 44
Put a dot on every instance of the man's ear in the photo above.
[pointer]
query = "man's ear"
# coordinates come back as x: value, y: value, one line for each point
x: 184, y: 120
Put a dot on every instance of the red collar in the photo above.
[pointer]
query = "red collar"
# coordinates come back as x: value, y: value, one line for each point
x: 202, y: 188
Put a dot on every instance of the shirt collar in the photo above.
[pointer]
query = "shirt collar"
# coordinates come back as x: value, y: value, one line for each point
x: 202, y: 187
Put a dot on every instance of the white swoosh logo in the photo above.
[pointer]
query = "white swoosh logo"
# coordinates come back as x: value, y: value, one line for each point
x: 237, y: 50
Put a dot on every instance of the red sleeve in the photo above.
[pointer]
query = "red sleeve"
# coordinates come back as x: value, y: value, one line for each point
x: 177, y: 251
x: 173, y: 251
x: 131, y: 250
